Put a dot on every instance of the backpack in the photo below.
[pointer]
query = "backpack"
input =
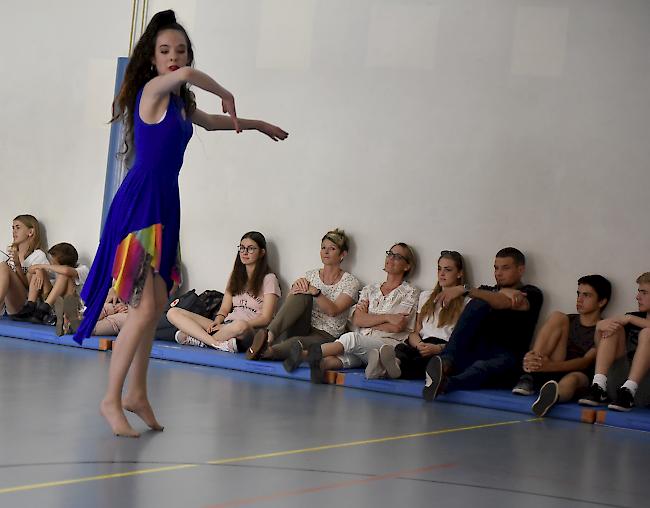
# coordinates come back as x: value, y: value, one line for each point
x: 206, y: 304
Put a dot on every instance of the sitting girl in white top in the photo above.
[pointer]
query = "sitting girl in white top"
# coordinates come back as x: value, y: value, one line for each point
x: 248, y: 303
x: 433, y: 327
x: 24, y: 251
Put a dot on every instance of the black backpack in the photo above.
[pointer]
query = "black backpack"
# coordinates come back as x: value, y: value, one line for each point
x: 206, y: 304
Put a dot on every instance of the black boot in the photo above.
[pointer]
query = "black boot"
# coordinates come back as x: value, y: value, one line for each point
x: 25, y: 313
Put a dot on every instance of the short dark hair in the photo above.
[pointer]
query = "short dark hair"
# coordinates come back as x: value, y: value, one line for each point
x: 65, y: 254
x: 601, y: 285
x: 511, y: 252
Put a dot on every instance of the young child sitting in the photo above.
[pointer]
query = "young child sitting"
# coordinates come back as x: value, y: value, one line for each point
x: 49, y: 282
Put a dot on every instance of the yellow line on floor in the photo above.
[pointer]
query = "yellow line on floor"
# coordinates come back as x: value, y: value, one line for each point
x: 232, y: 460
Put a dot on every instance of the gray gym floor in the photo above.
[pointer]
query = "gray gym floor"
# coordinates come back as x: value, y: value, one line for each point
x: 235, y: 439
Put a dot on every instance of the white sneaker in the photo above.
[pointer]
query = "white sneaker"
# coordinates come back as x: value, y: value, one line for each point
x: 187, y: 340
x: 229, y: 346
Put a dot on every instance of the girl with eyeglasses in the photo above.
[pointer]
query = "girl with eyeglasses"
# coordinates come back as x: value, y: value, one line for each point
x: 433, y: 327
x: 248, y: 303
x: 316, y: 310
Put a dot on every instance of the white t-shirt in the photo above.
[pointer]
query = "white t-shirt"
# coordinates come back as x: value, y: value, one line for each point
x: 38, y: 257
x: 430, y: 326
x: 401, y: 300
x: 348, y: 285
x: 82, y: 275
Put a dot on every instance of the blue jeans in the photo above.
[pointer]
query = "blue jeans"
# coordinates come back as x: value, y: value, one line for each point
x: 474, y: 361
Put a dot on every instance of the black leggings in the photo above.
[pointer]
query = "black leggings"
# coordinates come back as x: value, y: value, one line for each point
x: 412, y: 364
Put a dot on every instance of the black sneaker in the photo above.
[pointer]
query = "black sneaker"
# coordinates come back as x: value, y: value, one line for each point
x: 524, y: 386
x: 596, y: 397
x: 624, y: 400
x: 41, y: 312
x: 548, y: 395
x: 25, y: 313
x: 434, y: 379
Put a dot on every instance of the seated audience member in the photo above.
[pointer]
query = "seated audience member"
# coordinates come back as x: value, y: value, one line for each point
x: 614, y: 336
x: 24, y: 251
x: 248, y: 303
x: 316, y: 310
x: 433, y: 327
x: 385, y: 314
x: 63, y: 277
x: 493, y: 333
x: 561, y: 360
x: 112, y: 317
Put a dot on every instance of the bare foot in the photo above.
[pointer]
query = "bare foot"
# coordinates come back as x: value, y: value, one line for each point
x: 116, y: 419
x: 142, y: 408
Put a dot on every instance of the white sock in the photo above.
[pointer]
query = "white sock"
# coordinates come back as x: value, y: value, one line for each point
x: 630, y: 385
x: 601, y: 380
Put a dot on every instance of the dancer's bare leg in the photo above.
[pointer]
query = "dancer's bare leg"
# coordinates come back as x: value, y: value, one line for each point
x: 136, y: 399
x: 136, y: 328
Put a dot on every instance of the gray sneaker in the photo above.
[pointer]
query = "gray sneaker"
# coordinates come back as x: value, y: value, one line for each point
x: 390, y: 363
x: 548, y: 395
x: 374, y: 369
x: 524, y: 386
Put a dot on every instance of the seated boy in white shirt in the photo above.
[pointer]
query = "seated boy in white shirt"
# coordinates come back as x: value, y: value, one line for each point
x: 49, y: 281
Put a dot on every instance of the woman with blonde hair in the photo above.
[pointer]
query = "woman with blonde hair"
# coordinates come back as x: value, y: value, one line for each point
x: 433, y: 327
x: 316, y: 310
x: 25, y: 251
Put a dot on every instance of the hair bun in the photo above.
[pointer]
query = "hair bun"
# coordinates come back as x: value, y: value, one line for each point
x: 163, y: 18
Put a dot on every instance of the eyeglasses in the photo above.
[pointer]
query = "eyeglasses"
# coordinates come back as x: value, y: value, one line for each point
x: 450, y: 253
x: 395, y: 256
x: 250, y: 249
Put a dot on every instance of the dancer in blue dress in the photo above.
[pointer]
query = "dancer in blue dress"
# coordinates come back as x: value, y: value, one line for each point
x: 138, y: 249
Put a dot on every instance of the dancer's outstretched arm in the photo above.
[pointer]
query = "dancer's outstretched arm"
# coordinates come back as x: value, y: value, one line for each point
x: 157, y: 90
x: 222, y: 122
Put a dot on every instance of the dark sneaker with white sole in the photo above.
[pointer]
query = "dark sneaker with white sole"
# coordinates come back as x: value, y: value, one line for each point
x: 524, y: 386
x: 548, y: 395
x: 624, y: 400
x: 314, y: 357
x: 596, y: 397
x: 434, y: 378
x: 293, y: 361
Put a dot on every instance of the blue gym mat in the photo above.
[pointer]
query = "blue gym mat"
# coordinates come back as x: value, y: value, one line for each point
x: 638, y: 419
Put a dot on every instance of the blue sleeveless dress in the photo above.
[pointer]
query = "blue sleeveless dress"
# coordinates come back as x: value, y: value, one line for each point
x: 142, y: 226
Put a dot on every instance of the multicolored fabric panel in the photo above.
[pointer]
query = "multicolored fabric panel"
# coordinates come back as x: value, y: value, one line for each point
x: 138, y: 251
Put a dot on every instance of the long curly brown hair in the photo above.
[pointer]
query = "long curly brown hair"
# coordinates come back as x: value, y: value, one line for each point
x: 140, y: 70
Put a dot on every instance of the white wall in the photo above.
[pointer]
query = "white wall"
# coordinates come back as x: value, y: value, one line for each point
x: 449, y: 124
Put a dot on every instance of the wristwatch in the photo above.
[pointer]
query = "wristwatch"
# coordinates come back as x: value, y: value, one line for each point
x: 317, y: 294
x: 467, y: 289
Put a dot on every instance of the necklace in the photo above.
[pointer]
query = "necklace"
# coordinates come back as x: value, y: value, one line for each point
x: 334, y: 280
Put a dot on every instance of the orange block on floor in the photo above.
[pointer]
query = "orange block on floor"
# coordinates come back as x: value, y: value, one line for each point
x: 588, y: 416
x: 601, y: 416
x: 330, y: 377
x: 340, y: 378
x: 105, y: 344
